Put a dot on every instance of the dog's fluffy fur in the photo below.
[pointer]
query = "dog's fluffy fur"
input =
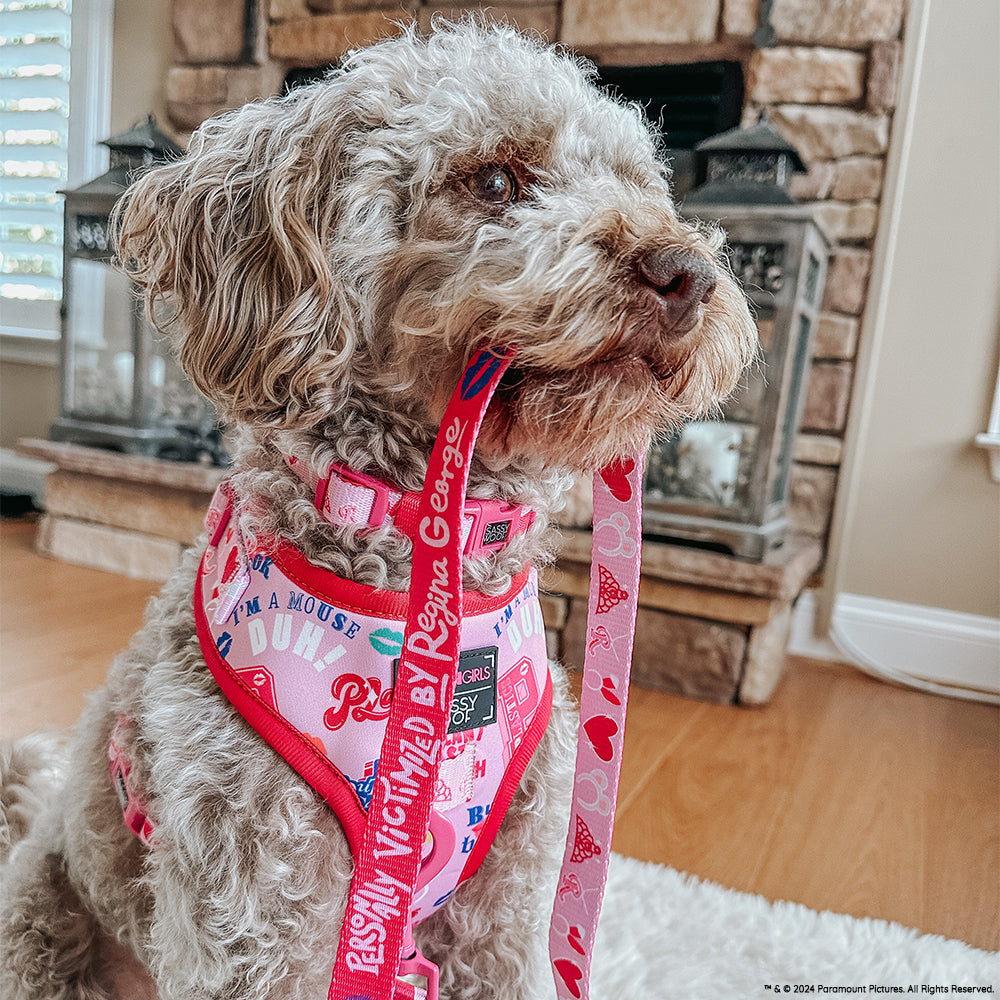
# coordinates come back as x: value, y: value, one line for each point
x: 328, y: 262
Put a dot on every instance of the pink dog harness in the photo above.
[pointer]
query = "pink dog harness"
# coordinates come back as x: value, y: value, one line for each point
x: 439, y: 702
x: 309, y: 660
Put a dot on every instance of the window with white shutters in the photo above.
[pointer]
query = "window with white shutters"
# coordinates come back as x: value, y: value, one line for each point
x: 34, y: 125
x: 51, y: 121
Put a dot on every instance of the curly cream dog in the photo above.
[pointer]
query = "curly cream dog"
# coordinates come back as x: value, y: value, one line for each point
x: 327, y: 263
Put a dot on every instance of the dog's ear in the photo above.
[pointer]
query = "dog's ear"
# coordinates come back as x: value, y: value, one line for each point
x: 231, y: 245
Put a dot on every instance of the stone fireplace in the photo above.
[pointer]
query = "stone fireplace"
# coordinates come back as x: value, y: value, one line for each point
x: 826, y: 73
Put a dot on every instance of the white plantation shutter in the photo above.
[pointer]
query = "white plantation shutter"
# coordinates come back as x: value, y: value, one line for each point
x: 50, y: 123
x: 34, y: 126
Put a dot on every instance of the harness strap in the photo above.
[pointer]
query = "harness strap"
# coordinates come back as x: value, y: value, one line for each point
x: 135, y: 811
x: 346, y: 497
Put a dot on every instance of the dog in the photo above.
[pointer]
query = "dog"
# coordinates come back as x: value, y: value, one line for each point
x: 326, y: 263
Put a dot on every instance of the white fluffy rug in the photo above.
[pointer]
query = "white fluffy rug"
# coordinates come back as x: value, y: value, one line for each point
x: 667, y: 936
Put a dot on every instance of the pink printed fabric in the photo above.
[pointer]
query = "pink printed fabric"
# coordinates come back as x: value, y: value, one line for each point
x: 614, y: 588
x: 324, y: 659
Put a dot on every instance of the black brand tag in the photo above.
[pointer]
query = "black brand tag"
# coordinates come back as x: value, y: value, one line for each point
x: 475, y: 700
x: 496, y: 532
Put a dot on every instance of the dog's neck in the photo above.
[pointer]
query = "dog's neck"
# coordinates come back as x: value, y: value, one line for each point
x: 274, y: 501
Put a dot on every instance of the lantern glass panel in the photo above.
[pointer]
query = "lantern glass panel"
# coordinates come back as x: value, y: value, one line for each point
x: 707, y: 467
x: 705, y: 464
x: 107, y: 331
x: 172, y: 398
x: 100, y: 351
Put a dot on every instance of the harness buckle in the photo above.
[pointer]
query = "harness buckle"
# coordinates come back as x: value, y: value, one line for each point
x: 493, y: 524
x: 382, y: 493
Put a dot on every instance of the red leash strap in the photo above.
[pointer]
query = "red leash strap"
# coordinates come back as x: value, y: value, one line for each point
x: 377, y: 920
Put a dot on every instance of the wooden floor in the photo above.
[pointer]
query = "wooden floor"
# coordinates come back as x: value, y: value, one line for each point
x: 844, y: 794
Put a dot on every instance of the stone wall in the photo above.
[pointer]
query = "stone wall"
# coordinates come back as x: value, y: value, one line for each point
x: 827, y: 73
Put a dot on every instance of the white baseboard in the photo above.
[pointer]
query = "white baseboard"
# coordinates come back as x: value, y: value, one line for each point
x: 22, y: 475
x: 802, y: 640
x: 946, y: 652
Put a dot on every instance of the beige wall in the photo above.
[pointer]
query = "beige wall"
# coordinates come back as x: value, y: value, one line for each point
x: 918, y: 517
x: 29, y: 401
x: 142, y: 52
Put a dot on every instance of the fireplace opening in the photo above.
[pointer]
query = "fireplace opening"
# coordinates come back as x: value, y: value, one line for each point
x: 686, y: 102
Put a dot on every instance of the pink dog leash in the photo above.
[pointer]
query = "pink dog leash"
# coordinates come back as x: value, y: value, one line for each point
x: 377, y: 921
x: 614, y: 590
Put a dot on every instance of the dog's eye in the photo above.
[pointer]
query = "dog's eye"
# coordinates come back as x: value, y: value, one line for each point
x: 493, y: 184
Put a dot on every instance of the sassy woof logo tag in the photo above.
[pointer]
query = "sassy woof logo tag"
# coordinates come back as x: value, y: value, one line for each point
x: 475, y: 700
x: 496, y: 532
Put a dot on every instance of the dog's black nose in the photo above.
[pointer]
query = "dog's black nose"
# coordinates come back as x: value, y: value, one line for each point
x: 682, y: 279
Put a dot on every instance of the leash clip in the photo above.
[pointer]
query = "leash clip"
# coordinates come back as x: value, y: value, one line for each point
x: 417, y: 965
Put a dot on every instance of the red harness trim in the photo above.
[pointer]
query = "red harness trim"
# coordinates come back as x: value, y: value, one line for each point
x: 358, y: 597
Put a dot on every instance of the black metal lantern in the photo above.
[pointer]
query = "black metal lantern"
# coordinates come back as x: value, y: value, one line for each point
x: 747, y: 166
x: 725, y: 482
x: 120, y: 388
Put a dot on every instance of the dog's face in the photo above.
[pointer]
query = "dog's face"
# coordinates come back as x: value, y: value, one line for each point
x: 359, y: 239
